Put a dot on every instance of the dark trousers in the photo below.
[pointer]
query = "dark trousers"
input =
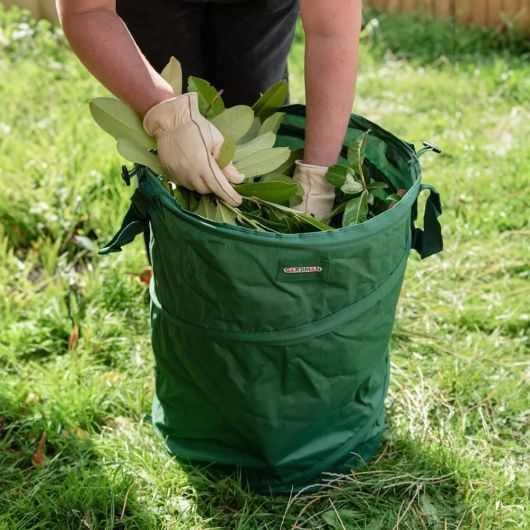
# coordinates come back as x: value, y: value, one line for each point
x: 239, y: 47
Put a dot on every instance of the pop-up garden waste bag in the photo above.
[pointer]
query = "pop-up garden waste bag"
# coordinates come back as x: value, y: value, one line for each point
x: 272, y: 350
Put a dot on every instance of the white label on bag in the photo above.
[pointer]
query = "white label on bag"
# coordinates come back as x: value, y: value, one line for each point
x: 293, y: 269
x: 298, y: 270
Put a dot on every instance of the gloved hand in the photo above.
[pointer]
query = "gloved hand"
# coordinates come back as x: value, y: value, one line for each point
x: 319, y: 194
x: 188, y: 145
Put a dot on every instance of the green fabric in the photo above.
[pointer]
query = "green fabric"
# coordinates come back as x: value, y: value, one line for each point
x: 277, y: 375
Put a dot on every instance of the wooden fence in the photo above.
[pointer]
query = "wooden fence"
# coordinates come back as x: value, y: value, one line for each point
x: 476, y: 12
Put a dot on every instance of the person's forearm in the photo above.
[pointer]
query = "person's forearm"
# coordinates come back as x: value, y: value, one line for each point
x: 330, y: 89
x: 331, y: 56
x: 103, y: 43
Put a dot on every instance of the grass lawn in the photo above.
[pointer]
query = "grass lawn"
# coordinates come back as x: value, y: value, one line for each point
x: 75, y: 357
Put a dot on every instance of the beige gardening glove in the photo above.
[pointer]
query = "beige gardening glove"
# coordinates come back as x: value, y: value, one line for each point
x: 319, y: 194
x: 188, y: 145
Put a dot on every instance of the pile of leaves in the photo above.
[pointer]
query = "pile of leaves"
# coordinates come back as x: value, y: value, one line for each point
x: 269, y: 191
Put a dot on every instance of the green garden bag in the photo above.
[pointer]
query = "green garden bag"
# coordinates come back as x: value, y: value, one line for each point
x: 272, y: 350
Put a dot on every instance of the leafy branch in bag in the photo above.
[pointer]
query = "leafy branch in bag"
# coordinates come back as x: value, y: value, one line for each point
x: 249, y: 133
x: 360, y: 196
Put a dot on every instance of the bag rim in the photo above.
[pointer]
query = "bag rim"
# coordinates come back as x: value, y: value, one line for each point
x: 360, y: 231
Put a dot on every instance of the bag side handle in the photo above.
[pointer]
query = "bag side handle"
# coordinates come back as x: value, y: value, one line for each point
x: 428, y: 241
x: 135, y: 222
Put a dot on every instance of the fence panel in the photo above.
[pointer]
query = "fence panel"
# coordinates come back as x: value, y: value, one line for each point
x: 477, y: 12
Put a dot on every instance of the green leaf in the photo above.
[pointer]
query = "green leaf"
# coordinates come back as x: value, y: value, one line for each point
x: 277, y: 177
x: 296, y: 200
x: 337, y: 174
x: 274, y: 191
x: 338, y: 209
x: 206, y: 208
x: 393, y: 197
x: 338, y: 520
x: 172, y: 73
x: 367, y: 173
x: 200, y: 209
x: 287, y: 168
x: 356, y: 210
x: 285, y: 222
x: 210, y: 206
x: 226, y: 154
x: 273, y: 98
x: 252, y: 133
x: 133, y: 153
x: 272, y: 123
x: 263, y: 161
x: 210, y: 101
x: 292, y: 220
x: 224, y: 215
x: 275, y: 217
x: 378, y: 193
x: 193, y: 200
x: 180, y: 194
x: 250, y: 219
x: 234, y: 122
x: 352, y: 186
x: 306, y: 218
x: 428, y: 507
x: 271, y: 222
x: 263, y: 141
x: 316, y: 223
x: 120, y: 121
x: 356, y: 152
x: 377, y: 186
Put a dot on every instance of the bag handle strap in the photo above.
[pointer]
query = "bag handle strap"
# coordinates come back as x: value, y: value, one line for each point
x: 135, y: 222
x: 428, y: 241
